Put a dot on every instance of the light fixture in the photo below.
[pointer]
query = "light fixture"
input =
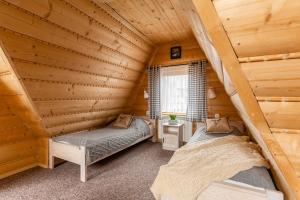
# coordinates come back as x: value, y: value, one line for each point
x: 211, y: 93
x: 146, y: 95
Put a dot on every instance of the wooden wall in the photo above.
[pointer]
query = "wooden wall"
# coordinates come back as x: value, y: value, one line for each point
x: 190, y: 51
x: 269, y: 57
x: 255, y: 44
x: 222, y: 103
x: 78, y: 61
x: 140, y: 105
x: 19, y: 145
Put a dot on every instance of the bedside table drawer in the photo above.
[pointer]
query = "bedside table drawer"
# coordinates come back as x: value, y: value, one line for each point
x: 170, y: 130
x: 170, y: 139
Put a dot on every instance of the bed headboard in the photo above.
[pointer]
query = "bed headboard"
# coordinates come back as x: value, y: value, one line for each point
x: 152, y: 126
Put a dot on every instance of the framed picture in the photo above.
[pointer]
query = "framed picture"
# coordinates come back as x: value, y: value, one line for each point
x: 175, y: 52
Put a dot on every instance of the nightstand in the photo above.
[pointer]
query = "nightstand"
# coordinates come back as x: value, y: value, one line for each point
x: 172, y: 136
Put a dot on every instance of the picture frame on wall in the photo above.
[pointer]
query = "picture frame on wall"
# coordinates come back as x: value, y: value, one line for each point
x: 175, y: 52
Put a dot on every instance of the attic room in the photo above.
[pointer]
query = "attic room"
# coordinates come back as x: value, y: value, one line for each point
x: 149, y: 99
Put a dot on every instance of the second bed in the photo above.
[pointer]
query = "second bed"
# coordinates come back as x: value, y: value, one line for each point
x: 254, y: 183
x: 87, y: 147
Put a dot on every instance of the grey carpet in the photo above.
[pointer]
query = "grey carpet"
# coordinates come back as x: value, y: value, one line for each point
x: 127, y: 175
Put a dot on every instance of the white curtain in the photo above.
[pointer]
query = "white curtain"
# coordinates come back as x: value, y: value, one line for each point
x: 174, y: 89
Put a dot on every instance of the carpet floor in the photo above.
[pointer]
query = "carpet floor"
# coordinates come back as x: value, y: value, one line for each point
x: 127, y: 175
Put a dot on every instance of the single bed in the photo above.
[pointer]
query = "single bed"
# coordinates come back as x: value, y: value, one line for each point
x: 87, y: 147
x: 256, y: 176
x: 255, y: 183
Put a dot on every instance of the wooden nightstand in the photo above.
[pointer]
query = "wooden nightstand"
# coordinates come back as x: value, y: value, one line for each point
x: 172, y: 136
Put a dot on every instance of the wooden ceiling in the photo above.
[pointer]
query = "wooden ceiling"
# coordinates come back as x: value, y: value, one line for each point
x: 261, y: 27
x: 161, y: 21
x: 79, y: 62
x: 265, y: 39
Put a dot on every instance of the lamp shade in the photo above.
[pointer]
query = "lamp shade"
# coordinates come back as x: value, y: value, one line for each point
x: 211, y: 93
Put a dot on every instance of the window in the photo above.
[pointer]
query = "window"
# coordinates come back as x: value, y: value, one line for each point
x: 174, y: 89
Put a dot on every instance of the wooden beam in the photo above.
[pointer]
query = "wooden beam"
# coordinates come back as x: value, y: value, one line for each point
x: 278, y: 99
x: 221, y: 42
x: 286, y: 131
x: 294, y: 55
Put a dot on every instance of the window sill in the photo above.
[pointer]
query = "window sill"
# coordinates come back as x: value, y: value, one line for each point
x: 171, y: 113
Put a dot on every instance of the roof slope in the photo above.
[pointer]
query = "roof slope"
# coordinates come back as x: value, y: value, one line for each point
x: 267, y: 45
x: 78, y: 63
x: 161, y: 21
x: 231, y: 33
x: 74, y: 65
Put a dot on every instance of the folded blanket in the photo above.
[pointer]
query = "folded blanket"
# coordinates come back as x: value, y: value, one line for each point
x: 193, y: 167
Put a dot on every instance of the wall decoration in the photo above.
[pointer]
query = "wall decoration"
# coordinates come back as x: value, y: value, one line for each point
x: 175, y: 52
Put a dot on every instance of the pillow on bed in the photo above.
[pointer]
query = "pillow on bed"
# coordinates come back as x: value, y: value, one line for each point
x: 219, y: 125
x: 145, y: 118
x: 123, y: 121
x: 237, y: 124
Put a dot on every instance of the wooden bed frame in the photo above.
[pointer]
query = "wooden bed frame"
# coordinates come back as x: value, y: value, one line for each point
x: 77, y: 154
x: 234, y: 190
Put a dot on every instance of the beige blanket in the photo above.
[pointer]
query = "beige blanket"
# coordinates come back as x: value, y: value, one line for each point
x: 193, y: 167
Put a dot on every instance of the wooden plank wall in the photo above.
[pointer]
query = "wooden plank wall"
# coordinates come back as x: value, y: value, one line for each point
x: 267, y: 45
x: 19, y: 146
x: 162, y: 21
x: 276, y: 86
x: 190, y: 51
x: 76, y: 60
x: 262, y: 84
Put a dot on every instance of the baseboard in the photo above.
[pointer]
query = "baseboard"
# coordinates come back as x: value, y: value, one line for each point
x: 10, y: 173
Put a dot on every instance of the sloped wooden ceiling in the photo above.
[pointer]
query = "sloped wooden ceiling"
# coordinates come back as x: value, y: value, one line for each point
x: 162, y: 21
x: 249, y: 25
x: 265, y: 36
x: 77, y: 64
x: 256, y: 45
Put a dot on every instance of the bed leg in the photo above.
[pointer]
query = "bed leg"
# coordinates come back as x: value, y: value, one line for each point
x: 153, y: 139
x: 51, y: 158
x: 83, y: 170
x: 83, y: 167
x: 51, y: 162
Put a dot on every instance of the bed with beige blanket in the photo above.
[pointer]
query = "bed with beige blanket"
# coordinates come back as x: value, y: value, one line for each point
x: 201, y: 171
